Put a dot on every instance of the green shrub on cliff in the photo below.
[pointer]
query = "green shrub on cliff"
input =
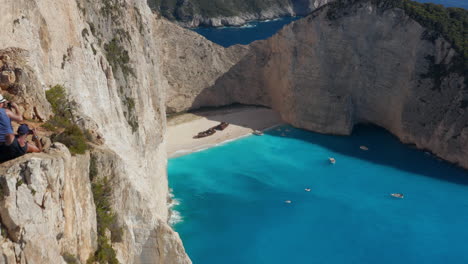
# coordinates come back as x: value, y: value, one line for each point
x: 106, y: 218
x: 118, y: 57
x: 451, y: 23
x: 129, y: 112
x: 74, y: 138
x: 70, y: 258
x: 62, y: 123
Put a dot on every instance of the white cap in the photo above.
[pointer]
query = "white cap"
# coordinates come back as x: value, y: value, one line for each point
x: 2, y: 100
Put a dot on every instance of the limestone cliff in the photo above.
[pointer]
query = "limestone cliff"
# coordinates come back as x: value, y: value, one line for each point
x: 191, y: 66
x: 106, y: 55
x: 365, y: 64
x: 46, y: 209
x: 215, y: 13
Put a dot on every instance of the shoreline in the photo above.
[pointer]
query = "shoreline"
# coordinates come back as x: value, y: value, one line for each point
x: 244, y: 24
x: 242, y: 121
x: 242, y: 19
x: 183, y: 152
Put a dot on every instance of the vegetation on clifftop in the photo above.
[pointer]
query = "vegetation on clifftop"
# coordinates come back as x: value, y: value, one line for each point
x: 450, y: 23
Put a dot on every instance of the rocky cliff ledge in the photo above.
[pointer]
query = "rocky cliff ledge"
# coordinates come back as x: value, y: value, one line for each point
x: 357, y: 62
x: 106, y: 54
x: 46, y: 209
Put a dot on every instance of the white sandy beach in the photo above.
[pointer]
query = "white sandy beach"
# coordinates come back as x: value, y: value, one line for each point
x: 242, y: 121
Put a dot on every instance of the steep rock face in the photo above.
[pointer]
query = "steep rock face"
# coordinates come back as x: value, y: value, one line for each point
x: 191, y: 66
x: 19, y: 83
x: 107, y: 57
x: 46, y: 208
x: 328, y: 74
x: 194, y: 13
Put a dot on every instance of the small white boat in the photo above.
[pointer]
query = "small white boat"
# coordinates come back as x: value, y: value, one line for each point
x: 332, y: 160
x: 257, y: 133
x: 397, y: 195
x: 288, y: 201
x: 364, y: 148
x: 307, y: 189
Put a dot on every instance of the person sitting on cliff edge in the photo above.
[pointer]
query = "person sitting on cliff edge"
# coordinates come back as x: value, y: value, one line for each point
x: 16, y: 146
x: 6, y: 116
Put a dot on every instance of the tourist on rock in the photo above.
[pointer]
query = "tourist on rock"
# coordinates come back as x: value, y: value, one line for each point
x: 6, y: 115
x: 16, y: 146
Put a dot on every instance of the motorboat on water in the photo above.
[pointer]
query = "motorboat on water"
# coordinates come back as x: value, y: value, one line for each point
x: 332, y: 160
x: 257, y: 133
x: 397, y: 195
x: 364, y: 148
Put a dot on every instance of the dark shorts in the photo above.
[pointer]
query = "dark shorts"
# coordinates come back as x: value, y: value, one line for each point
x: 14, y: 150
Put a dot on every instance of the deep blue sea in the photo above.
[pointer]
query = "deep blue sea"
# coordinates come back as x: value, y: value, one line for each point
x: 232, y: 201
x: 228, y: 36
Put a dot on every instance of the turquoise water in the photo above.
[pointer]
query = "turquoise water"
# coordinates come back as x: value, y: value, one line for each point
x: 233, y: 210
x: 256, y: 30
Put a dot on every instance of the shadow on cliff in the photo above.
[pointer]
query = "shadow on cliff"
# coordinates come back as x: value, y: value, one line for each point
x: 384, y: 149
x: 230, y: 114
x: 241, y: 84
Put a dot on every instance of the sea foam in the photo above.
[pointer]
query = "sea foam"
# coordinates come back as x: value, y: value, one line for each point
x: 175, y: 216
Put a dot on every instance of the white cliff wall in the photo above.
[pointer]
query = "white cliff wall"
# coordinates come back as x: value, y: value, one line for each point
x: 105, y: 54
x: 46, y: 208
x: 191, y: 63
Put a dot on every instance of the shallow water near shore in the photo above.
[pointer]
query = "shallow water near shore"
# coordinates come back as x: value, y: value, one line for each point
x: 232, y: 201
